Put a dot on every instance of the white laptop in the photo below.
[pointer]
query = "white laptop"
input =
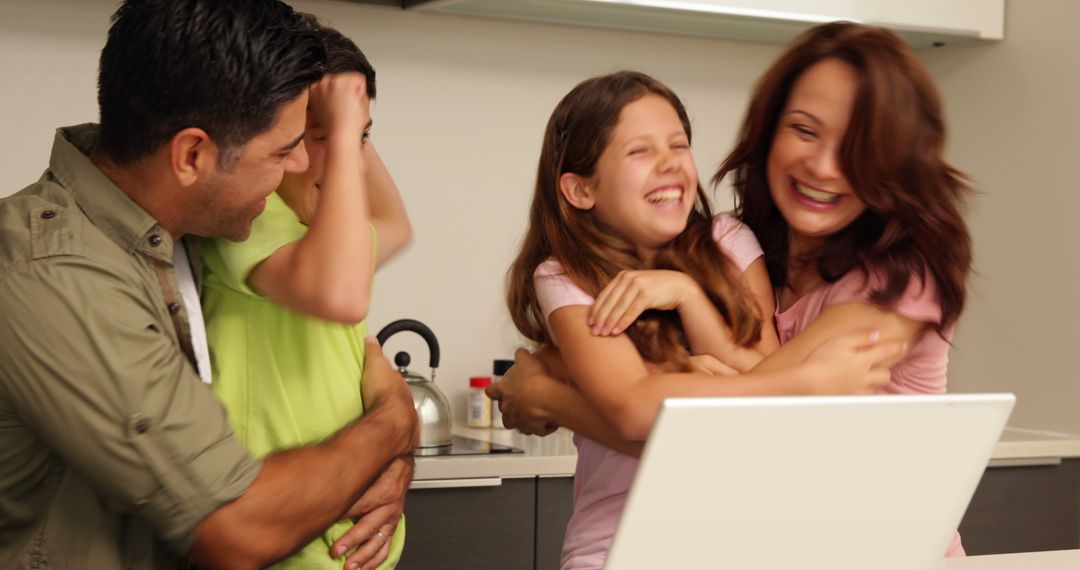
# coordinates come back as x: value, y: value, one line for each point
x: 801, y: 483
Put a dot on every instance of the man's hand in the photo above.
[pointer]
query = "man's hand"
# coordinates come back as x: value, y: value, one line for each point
x: 379, y: 510
x: 515, y: 395
x: 382, y: 387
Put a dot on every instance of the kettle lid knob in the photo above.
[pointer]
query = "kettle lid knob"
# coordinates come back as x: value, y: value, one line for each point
x: 402, y: 360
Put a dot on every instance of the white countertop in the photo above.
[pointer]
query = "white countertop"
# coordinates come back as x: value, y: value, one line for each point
x: 555, y: 455
x: 551, y: 456
x: 1054, y: 560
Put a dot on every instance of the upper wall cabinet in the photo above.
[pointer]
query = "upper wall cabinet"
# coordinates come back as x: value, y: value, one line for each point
x: 922, y: 23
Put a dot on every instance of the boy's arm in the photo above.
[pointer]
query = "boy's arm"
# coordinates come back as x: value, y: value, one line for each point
x: 327, y: 273
x: 388, y: 213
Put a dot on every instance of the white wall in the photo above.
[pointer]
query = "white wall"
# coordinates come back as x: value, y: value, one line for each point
x: 1015, y: 127
x: 461, y: 110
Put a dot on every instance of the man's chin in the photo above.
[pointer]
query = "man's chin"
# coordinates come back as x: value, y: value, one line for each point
x: 240, y: 234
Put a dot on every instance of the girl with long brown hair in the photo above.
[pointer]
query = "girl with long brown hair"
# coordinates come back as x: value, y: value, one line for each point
x: 617, y: 194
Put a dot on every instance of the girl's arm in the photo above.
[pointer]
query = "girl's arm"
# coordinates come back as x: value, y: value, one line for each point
x: 387, y: 209
x: 610, y: 374
x: 327, y: 273
x: 633, y: 292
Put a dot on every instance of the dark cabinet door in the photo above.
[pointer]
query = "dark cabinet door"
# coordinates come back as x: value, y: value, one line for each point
x: 471, y: 528
x: 1024, y: 509
x: 554, y: 504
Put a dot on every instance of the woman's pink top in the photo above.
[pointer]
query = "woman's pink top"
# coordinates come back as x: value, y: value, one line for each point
x: 924, y: 369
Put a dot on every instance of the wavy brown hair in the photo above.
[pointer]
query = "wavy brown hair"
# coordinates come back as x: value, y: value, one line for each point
x: 891, y: 154
x: 592, y: 253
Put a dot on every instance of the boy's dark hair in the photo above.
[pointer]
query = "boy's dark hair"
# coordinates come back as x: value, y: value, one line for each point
x: 226, y: 67
x: 342, y: 55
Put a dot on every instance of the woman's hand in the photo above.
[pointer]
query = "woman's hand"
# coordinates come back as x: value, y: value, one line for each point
x: 855, y: 363
x: 520, y: 409
x: 631, y: 293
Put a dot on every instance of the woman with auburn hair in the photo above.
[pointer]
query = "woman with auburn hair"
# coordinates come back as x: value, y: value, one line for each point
x: 838, y: 170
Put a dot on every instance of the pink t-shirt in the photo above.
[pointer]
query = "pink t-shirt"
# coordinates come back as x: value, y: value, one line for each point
x: 603, y: 476
x: 923, y: 371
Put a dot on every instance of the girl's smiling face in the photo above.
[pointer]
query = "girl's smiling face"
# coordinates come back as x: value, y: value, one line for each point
x: 646, y: 181
x: 805, y: 176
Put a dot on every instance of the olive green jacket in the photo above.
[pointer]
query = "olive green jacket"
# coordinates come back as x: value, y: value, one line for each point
x: 111, y: 449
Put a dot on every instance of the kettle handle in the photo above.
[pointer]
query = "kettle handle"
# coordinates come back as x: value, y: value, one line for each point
x: 416, y: 327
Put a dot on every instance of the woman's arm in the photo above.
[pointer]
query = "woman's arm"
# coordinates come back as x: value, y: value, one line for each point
x: 839, y: 320
x: 535, y: 399
x: 328, y: 272
x: 610, y: 374
x: 388, y: 213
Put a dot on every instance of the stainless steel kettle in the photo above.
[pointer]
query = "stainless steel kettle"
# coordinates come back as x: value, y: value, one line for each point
x: 432, y: 408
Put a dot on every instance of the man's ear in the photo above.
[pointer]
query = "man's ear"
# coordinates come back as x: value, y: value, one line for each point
x: 577, y: 190
x: 193, y: 156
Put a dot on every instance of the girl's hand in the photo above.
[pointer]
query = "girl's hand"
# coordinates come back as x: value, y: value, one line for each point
x: 631, y: 293
x: 853, y: 364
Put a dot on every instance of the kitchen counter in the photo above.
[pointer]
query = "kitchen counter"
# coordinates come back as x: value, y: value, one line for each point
x: 1054, y: 560
x: 551, y: 456
x: 555, y: 455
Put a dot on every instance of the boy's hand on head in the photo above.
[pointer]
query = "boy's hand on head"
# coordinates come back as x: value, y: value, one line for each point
x: 338, y: 105
x: 631, y: 293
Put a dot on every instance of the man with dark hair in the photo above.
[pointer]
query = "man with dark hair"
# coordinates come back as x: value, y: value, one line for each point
x: 112, y: 453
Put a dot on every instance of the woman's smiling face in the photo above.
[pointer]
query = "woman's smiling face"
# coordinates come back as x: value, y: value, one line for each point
x: 806, y: 180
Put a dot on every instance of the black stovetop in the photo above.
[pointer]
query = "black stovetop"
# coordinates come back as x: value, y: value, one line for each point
x: 460, y: 445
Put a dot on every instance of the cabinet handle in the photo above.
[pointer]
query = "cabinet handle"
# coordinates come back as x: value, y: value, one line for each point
x: 456, y: 483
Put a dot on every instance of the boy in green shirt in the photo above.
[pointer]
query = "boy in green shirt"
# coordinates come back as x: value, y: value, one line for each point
x: 285, y: 309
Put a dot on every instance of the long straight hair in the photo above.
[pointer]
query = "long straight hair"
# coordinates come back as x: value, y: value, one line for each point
x: 892, y: 155
x: 592, y: 253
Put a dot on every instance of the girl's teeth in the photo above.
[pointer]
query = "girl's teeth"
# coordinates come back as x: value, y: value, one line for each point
x: 664, y: 196
x: 816, y: 195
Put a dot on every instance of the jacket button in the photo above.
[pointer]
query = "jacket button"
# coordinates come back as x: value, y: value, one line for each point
x: 48, y: 215
x: 142, y: 426
x: 155, y: 240
x: 173, y: 308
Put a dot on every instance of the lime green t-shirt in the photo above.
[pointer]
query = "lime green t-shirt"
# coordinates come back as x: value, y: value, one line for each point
x: 287, y: 379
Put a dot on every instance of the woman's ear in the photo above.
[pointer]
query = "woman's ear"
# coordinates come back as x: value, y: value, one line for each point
x: 577, y: 190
